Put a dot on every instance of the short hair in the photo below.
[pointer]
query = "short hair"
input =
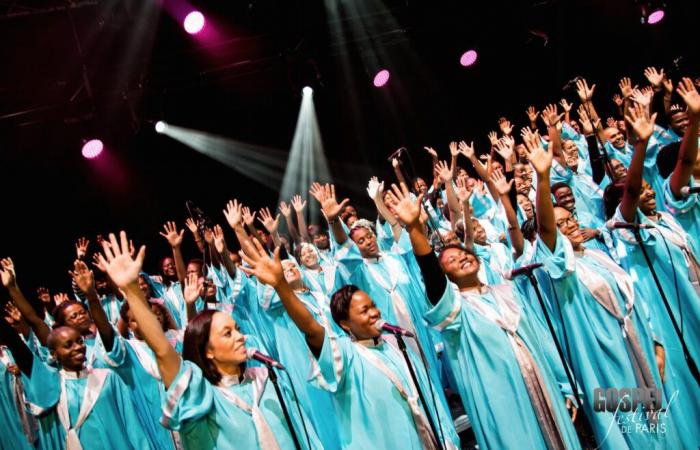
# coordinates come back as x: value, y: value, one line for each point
x: 340, y: 302
x: 558, y: 185
x: 59, y: 312
x: 529, y: 228
x: 53, y: 336
x: 168, y: 323
x: 458, y: 247
x: 612, y: 195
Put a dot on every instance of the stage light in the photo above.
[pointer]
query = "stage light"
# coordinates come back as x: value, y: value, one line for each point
x: 307, y: 90
x: 92, y: 148
x: 381, y: 78
x: 161, y: 126
x: 656, y: 16
x: 468, y: 58
x: 194, y: 22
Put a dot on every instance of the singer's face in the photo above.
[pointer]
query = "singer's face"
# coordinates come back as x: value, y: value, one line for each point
x: 479, y: 232
x: 615, y: 136
x: 362, y: 315
x: 194, y: 267
x: 526, y: 205
x: 321, y: 241
x: 226, y: 345
x: 458, y: 263
x: 571, y: 154
x: 145, y: 288
x: 565, y: 198
x: 168, y: 267
x: 291, y: 272
x: 647, y: 199
x: 366, y: 242
x: 619, y: 170
x: 309, y: 257
x: 568, y: 225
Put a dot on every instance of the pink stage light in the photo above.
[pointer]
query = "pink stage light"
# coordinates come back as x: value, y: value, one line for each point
x: 194, y: 22
x: 468, y: 58
x: 381, y: 78
x: 656, y: 17
x: 92, y: 148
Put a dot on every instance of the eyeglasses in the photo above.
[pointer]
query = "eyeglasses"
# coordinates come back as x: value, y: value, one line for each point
x: 571, y: 220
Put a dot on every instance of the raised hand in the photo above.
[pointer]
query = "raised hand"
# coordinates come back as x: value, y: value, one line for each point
x: 493, y: 137
x: 191, y: 225
x: 431, y: 151
x: 298, y: 204
x: 586, y: 125
x: 12, y: 313
x: 444, y: 172
x: 532, y: 114
x: 96, y: 262
x: 467, y: 150
x: 83, y: 277
x: 171, y: 234
x: 326, y: 197
x: 626, y: 87
x: 404, y: 207
x: 656, y: 78
x: 618, y: 100
x: 566, y: 106
x: 540, y: 159
x: 271, y: 224
x: 43, y: 294
x: 454, y: 151
x: 641, y: 97
x: 285, y: 209
x: 504, y: 147
x: 585, y: 94
x: 689, y: 94
x: 121, y: 267
x: 550, y: 116
x: 192, y: 289
x: 668, y: 86
x: 375, y: 189
x: 219, y: 239
x: 463, y: 191
x: 81, y: 247
x: 499, y: 181
x: 610, y: 122
x: 248, y: 217
x: 267, y: 270
x: 505, y: 126
x: 642, y: 125
x: 7, y: 273
x: 233, y: 213
x: 61, y: 297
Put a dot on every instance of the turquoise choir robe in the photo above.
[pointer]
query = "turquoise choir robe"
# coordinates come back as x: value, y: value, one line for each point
x: 375, y: 401
x: 93, y: 409
x: 13, y: 414
x: 588, y: 194
x: 234, y: 415
x: 686, y: 211
x: 489, y: 377
x: 592, y: 339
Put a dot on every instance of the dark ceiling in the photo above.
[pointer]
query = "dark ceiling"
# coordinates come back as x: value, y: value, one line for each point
x: 110, y: 68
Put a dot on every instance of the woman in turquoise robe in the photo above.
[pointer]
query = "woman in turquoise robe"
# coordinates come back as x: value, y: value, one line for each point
x: 18, y: 432
x: 376, y: 404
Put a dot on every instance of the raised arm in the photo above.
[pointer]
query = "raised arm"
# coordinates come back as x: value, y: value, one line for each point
x: 223, y: 251
x: 464, y: 193
x: 375, y: 190
x: 331, y: 209
x: 552, y: 120
x: 585, y: 94
x: 124, y: 271
x: 396, y: 164
x: 234, y: 216
x: 298, y: 204
x: 641, y: 128
x: 503, y: 187
x: 9, y: 280
x: 688, y: 153
x: 174, y: 238
x: 445, y: 173
x: 541, y: 161
x: 192, y: 226
x: 191, y: 291
x: 269, y: 271
x: 481, y: 170
x: 84, y: 278
x: 271, y: 225
x: 286, y: 211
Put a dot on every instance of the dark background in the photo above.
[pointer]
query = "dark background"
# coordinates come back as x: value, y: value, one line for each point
x: 245, y: 84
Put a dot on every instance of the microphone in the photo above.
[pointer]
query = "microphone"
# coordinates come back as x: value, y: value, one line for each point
x: 253, y: 353
x: 510, y: 274
x: 611, y: 225
x: 381, y: 325
x: 571, y: 83
x: 687, y: 190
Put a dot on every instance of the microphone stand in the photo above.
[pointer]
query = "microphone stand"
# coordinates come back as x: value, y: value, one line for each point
x: 688, y: 359
x: 273, y: 378
x: 402, y: 347
x: 569, y: 376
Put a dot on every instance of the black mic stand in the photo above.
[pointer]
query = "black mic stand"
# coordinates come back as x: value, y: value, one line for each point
x: 569, y: 376
x: 688, y: 359
x: 402, y: 347
x: 290, y: 425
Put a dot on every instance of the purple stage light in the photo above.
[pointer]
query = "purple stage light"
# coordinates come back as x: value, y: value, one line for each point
x: 92, y: 148
x: 194, y: 22
x: 381, y: 78
x: 468, y: 58
x: 656, y: 17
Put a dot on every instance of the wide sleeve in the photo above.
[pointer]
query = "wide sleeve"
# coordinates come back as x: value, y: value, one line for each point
x: 43, y: 388
x: 329, y: 369
x: 682, y: 205
x: 445, y: 316
x: 559, y: 263
x: 126, y: 409
x: 190, y: 397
